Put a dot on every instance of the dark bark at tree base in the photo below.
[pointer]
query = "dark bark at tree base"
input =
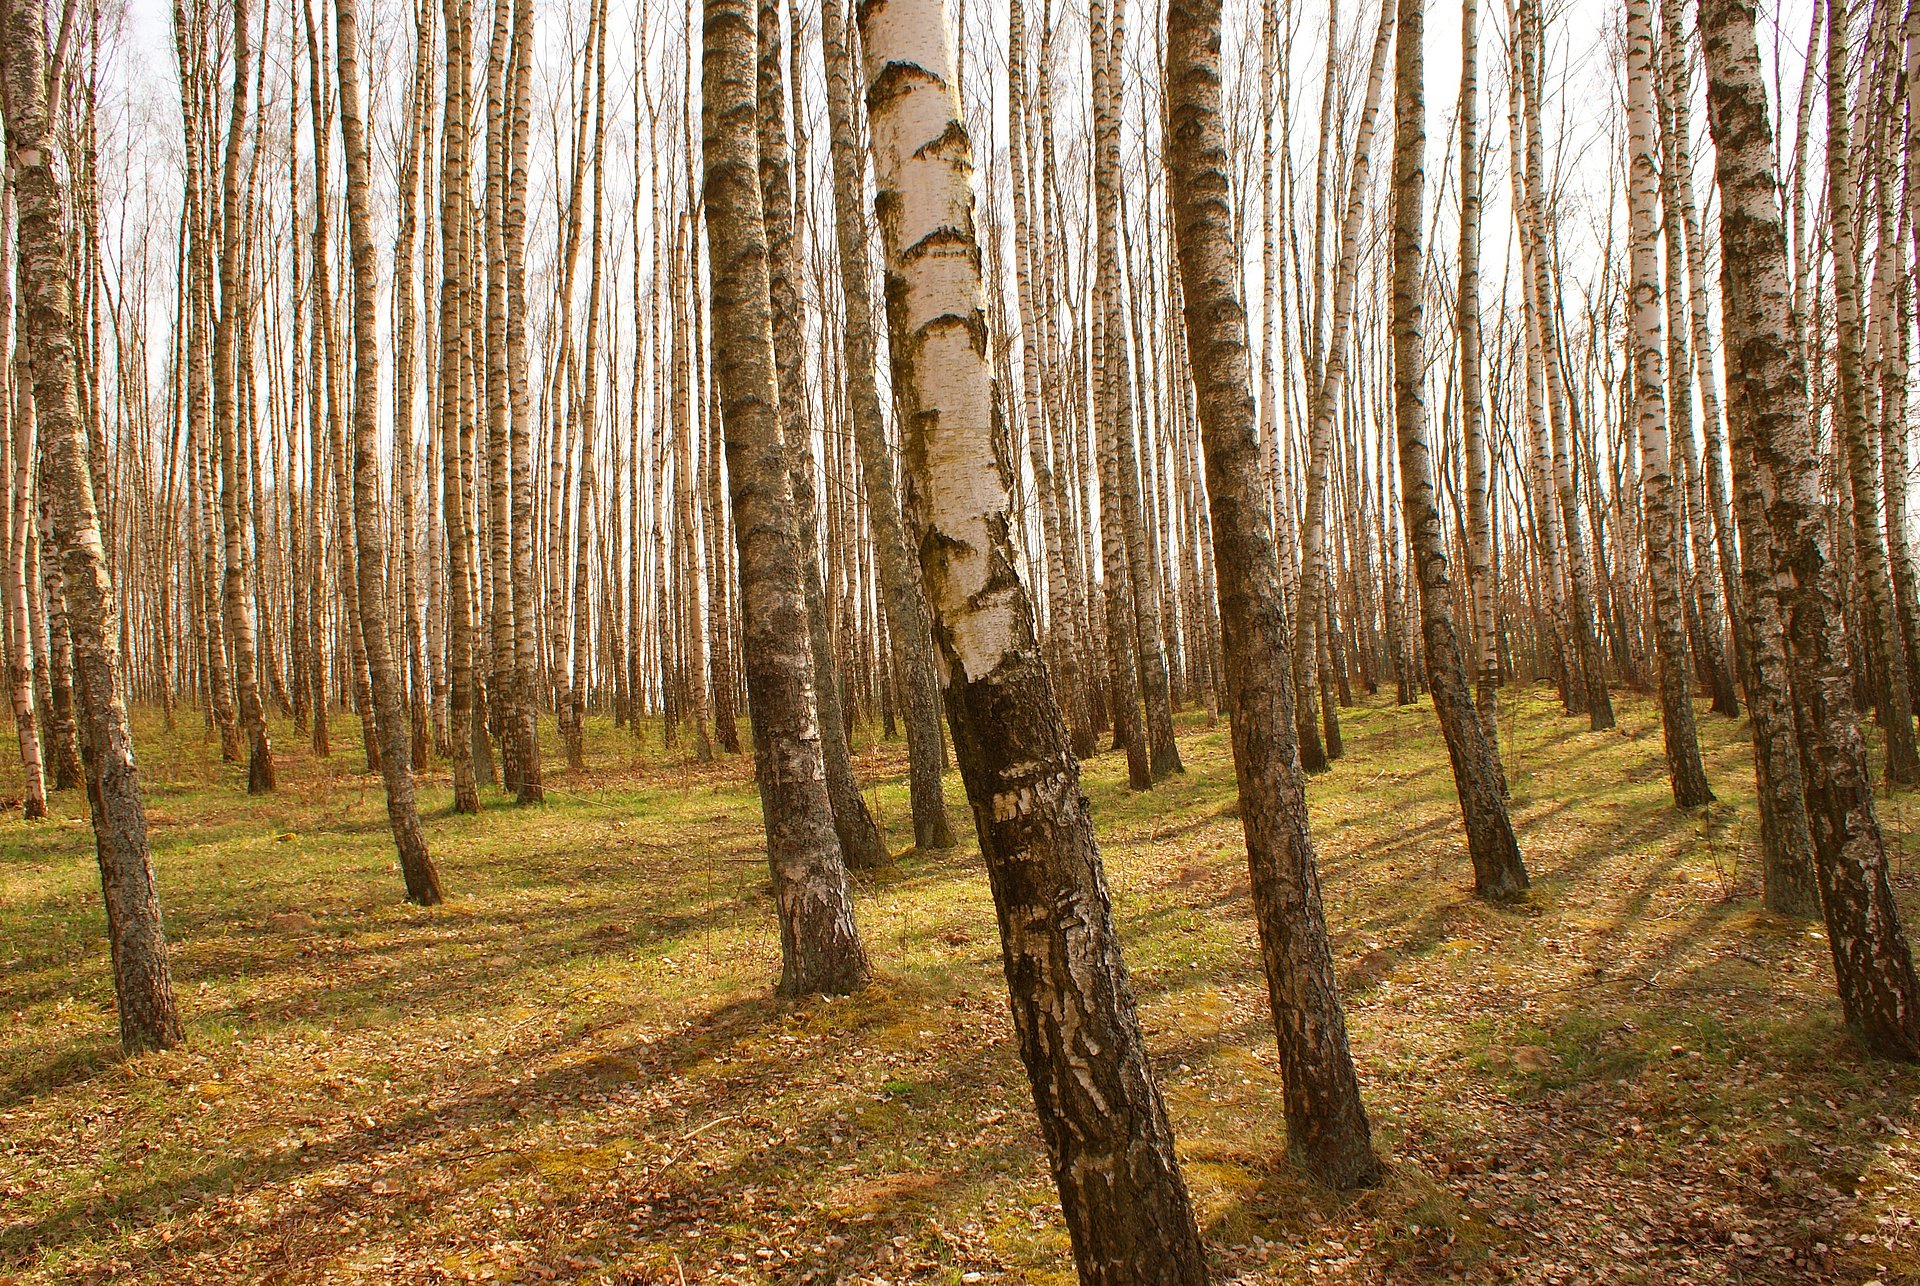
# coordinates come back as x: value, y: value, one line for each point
x: 1106, y: 1127
x: 260, y: 774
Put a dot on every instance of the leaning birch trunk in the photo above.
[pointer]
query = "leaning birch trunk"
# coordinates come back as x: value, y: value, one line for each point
x: 526, y: 635
x: 503, y: 682
x: 1486, y: 690
x: 1671, y: 86
x: 907, y: 630
x: 1498, y: 872
x: 1310, y: 601
x: 1326, y: 1122
x: 1684, y: 768
x: 1100, y: 1110
x: 1852, y: 431
x: 236, y: 602
x: 1767, y: 404
x: 820, y: 947
x: 453, y: 291
x: 22, y: 443
x: 143, y: 985
x: 1119, y: 429
x: 1542, y: 287
x: 861, y: 843
x: 389, y: 698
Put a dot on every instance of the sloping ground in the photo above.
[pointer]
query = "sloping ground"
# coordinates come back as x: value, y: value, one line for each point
x: 575, y: 1071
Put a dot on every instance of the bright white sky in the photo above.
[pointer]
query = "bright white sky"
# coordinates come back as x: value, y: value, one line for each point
x: 142, y: 147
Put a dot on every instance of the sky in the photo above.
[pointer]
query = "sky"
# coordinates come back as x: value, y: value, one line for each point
x: 141, y: 159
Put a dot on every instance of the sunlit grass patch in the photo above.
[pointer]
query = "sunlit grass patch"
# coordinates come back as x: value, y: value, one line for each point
x: 575, y: 1068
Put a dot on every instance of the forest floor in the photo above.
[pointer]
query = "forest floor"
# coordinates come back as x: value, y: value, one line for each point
x: 575, y: 1068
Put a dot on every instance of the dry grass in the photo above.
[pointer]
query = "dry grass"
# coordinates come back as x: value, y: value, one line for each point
x: 575, y: 1071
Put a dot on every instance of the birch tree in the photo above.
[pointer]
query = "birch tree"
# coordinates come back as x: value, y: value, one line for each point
x: 1499, y: 873
x: 1108, y: 1138
x: 1684, y: 768
x: 236, y: 602
x: 453, y: 439
x: 1774, y: 462
x: 142, y: 979
x: 1326, y: 1121
x: 906, y: 610
x: 1854, y: 436
x: 820, y: 947
x: 390, y: 707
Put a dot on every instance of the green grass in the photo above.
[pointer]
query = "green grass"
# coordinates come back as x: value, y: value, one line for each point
x: 575, y: 1069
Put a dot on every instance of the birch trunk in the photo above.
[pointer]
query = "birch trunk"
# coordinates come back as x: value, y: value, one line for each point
x: 1542, y: 288
x: 1480, y: 579
x: 199, y: 392
x: 1115, y: 374
x: 143, y: 984
x: 503, y: 684
x: 526, y: 636
x: 1326, y: 1121
x: 1123, y: 668
x: 406, y: 314
x: 1111, y: 1147
x: 22, y: 446
x: 1672, y: 89
x: 1042, y: 402
x: 1498, y: 871
x: 1331, y: 368
x: 1776, y: 463
x: 820, y: 947
x: 1892, y: 305
x: 1788, y: 885
x: 587, y: 522
x: 1688, y: 775
x: 1548, y: 531
x: 453, y: 311
x: 389, y: 703
x: 907, y: 628
x: 60, y: 731
x: 1854, y: 433
x: 692, y: 573
x: 861, y: 843
x: 238, y: 605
